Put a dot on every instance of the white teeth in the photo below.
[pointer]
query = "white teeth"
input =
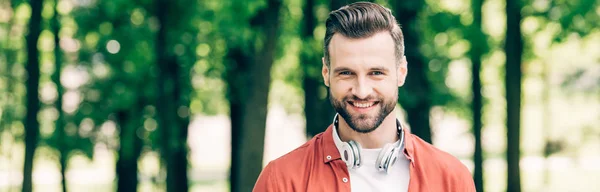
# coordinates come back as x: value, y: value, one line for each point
x: 363, y: 105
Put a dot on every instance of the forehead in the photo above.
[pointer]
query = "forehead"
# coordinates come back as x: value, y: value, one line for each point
x: 378, y: 49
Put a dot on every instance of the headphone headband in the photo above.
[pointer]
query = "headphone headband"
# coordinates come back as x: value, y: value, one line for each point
x: 351, y: 150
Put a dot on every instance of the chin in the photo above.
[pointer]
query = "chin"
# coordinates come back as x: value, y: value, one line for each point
x: 363, y: 127
x: 365, y: 130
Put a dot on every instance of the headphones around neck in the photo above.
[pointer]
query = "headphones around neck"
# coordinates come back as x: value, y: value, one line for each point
x: 351, y: 155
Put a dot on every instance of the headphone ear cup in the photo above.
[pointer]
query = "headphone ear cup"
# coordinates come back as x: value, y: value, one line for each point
x: 348, y: 154
x: 356, y: 149
x: 383, y: 157
x: 389, y: 160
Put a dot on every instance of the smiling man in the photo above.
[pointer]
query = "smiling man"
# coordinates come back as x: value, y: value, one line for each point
x: 365, y: 148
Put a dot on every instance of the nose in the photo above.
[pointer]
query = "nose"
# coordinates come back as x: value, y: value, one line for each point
x: 362, y: 89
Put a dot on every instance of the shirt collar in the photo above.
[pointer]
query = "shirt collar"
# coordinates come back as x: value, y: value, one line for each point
x: 330, y: 151
x: 337, y: 140
x: 409, y: 149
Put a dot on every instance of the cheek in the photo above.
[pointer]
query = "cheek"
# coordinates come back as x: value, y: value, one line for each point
x: 339, y: 89
x: 387, y: 89
x: 340, y: 85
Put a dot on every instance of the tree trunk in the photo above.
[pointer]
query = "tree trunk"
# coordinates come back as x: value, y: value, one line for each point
x: 63, y: 168
x: 513, y: 50
x: 477, y: 50
x: 476, y: 107
x: 336, y: 4
x: 248, y: 88
x: 317, y: 109
x: 33, y: 102
x: 176, y: 131
x: 129, y: 149
x: 174, y: 128
x: 415, y: 96
x: 59, y: 123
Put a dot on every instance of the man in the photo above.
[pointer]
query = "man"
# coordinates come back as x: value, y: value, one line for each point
x: 365, y: 148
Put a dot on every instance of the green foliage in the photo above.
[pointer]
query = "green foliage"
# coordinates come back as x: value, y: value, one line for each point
x: 575, y: 17
x: 109, y: 63
x: 443, y: 34
x: 111, y: 49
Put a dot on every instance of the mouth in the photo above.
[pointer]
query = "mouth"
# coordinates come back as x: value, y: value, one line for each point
x: 363, y: 106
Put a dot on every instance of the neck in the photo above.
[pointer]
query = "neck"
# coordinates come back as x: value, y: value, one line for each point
x: 387, y: 132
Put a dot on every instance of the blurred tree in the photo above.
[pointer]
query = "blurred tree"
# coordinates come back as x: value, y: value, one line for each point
x: 59, y: 128
x: 127, y: 98
x: 478, y: 48
x: 174, y: 87
x: 336, y: 4
x: 441, y: 32
x: 313, y: 100
x: 318, y: 110
x: 129, y: 149
x: 248, y: 78
x: 514, y: 50
x: 416, y: 95
x: 33, y: 102
x: 116, y: 38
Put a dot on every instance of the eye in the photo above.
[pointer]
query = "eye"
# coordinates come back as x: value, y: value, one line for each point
x: 376, y: 73
x: 345, y: 73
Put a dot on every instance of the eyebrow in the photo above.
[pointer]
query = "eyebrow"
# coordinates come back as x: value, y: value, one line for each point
x: 378, y: 68
x: 381, y: 68
x: 340, y: 69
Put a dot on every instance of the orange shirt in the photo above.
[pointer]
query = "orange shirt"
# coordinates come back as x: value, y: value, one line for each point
x: 317, y: 166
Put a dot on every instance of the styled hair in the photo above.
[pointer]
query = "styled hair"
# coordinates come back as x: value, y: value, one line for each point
x: 362, y: 20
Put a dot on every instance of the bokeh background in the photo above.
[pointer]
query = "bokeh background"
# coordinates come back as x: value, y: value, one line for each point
x: 199, y: 95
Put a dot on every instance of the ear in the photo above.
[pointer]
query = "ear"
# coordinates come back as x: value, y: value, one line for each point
x: 325, y: 72
x: 402, y: 71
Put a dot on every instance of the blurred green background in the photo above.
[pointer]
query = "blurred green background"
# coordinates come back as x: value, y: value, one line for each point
x: 198, y: 95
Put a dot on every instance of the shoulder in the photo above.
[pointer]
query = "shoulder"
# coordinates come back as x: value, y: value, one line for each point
x: 285, y: 169
x: 442, y: 162
x: 297, y: 156
x: 426, y: 152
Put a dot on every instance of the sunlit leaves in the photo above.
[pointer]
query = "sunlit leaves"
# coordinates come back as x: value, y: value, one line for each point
x: 46, y: 41
x: 443, y: 43
x: 23, y: 12
x: 113, y: 46
x: 105, y: 28
x: 64, y: 7
x: 137, y: 16
x: 203, y: 50
x: 91, y: 40
x: 579, y: 17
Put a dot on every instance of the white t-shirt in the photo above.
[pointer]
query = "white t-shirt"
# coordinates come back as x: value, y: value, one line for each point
x: 368, y: 178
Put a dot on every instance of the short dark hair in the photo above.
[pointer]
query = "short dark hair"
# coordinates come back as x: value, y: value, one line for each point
x: 362, y: 20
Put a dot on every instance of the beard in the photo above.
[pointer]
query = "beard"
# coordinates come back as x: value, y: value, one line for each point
x: 363, y: 123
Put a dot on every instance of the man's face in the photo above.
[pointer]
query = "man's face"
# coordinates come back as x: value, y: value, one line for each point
x: 363, y: 79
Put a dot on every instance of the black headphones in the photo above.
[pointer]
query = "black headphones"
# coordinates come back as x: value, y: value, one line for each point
x: 350, y: 152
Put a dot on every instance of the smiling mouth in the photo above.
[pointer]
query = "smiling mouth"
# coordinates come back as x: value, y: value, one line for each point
x: 363, y: 104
